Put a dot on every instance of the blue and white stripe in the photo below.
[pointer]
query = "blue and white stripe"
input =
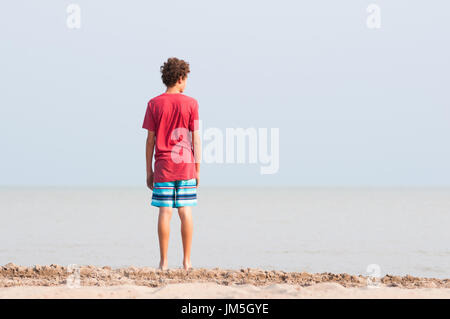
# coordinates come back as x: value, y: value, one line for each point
x: 175, y: 194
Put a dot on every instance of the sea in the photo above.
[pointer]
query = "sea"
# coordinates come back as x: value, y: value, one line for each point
x: 362, y: 231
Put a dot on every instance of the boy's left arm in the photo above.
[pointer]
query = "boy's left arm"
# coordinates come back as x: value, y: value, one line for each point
x: 150, y: 145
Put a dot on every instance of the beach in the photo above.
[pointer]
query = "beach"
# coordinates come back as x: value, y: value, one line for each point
x: 216, y: 291
x: 56, y: 281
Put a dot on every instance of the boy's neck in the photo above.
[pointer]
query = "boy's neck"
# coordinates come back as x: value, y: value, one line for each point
x: 173, y: 90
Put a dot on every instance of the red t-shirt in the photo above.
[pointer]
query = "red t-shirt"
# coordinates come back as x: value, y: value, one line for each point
x: 172, y: 116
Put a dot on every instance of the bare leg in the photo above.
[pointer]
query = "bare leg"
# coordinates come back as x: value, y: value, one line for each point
x: 185, y: 213
x: 165, y: 214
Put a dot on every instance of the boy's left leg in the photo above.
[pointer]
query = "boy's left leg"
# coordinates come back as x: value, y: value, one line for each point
x: 165, y: 214
x: 164, y: 198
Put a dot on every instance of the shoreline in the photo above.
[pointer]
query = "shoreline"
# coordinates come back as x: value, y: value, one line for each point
x: 12, y: 275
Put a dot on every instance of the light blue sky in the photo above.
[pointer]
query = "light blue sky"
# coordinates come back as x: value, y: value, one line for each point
x: 354, y: 106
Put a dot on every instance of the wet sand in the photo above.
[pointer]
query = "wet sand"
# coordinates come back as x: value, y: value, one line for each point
x: 55, y: 281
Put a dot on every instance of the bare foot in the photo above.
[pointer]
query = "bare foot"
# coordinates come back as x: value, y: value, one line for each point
x: 187, y: 265
x: 163, y: 266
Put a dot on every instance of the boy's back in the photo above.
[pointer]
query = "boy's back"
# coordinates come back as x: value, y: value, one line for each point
x: 173, y: 116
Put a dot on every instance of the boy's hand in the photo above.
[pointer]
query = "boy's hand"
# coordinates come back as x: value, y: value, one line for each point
x: 198, y: 179
x: 150, y: 181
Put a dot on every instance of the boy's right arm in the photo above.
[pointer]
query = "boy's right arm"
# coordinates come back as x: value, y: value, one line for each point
x: 197, y: 153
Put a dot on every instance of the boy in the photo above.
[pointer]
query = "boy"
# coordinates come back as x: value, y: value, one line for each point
x: 172, y: 123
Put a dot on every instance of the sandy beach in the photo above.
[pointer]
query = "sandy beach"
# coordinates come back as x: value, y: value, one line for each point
x: 55, y: 281
x: 214, y: 291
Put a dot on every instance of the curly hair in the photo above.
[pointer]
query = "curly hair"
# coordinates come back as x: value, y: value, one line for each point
x: 172, y: 70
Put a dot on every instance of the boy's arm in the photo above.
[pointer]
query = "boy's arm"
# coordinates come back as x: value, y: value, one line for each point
x: 197, y: 153
x: 150, y: 145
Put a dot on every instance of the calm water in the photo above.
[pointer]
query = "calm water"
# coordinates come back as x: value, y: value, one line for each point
x: 404, y: 231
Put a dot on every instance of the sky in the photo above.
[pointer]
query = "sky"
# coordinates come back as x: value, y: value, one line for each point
x: 353, y: 105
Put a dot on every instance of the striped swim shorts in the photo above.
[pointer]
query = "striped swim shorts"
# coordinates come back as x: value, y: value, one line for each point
x: 175, y: 194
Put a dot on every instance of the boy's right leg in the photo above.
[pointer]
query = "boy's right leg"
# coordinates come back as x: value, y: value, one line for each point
x: 185, y: 214
x: 165, y: 214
